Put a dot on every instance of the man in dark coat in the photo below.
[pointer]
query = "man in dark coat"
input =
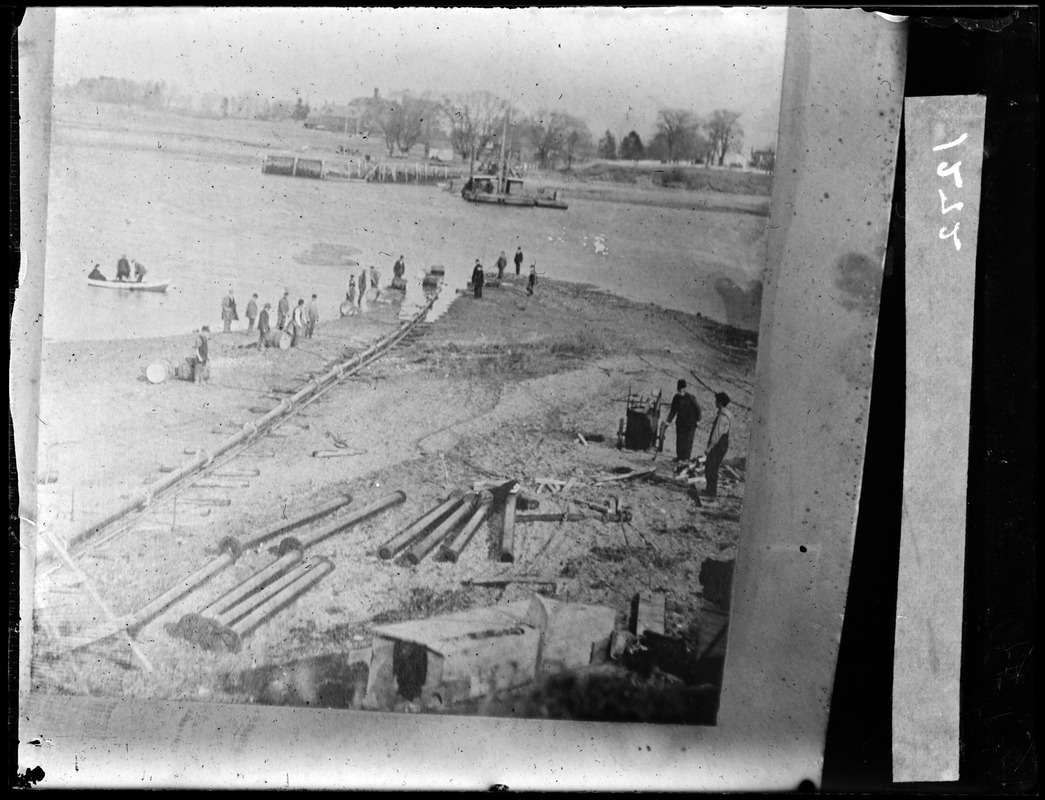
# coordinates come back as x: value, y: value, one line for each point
x: 283, y: 309
x: 502, y: 262
x: 263, y: 325
x: 686, y: 409
x: 96, y: 274
x: 478, y: 279
x: 123, y: 269
x: 518, y: 260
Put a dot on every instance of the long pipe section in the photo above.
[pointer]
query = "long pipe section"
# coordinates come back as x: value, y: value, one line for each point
x: 230, y: 550
x: 283, y: 599
x: 427, y: 544
x: 357, y: 516
x: 250, y: 429
x: 398, y: 542
x: 254, y: 582
x: 243, y: 608
x: 451, y: 552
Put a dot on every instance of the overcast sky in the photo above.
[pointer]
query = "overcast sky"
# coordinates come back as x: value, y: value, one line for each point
x: 614, y: 67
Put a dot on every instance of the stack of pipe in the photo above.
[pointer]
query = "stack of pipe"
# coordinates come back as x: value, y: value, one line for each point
x: 419, y: 527
x: 451, y: 550
x: 429, y: 542
x: 271, y: 588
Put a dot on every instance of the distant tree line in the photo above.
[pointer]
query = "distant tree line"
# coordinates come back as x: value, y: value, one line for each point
x: 681, y: 136
x: 473, y: 122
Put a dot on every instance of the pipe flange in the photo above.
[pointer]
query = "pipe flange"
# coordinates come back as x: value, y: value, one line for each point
x: 285, y: 405
x: 231, y: 545
x: 250, y: 426
x: 146, y: 499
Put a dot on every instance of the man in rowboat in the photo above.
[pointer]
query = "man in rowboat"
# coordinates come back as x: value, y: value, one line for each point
x: 123, y: 269
x: 96, y: 274
x: 139, y: 271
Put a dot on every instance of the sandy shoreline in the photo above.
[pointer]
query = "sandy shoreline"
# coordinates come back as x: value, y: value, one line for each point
x: 497, y: 387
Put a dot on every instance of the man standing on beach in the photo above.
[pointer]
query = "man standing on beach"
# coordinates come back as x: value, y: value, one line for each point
x: 478, y: 279
x: 263, y: 325
x: 362, y: 291
x: 686, y: 408
x: 375, y: 281
x: 252, y: 312
x: 502, y: 262
x: 200, y: 357
x: 283, y: 316
x: 297, y: 322
x: 311, y: 317
x: 531, y: 283
x: 228, y: 311
x: 518, y: 260
x: 718, y: 443
x: 399, y: 269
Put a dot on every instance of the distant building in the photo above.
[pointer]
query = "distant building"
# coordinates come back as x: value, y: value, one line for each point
x: 733, y: 160
x: 357, y: 116
x: 763, y: 159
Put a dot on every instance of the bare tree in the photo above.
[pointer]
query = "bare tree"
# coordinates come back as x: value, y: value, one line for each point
x: 724, y: 132
x: 557, y: 136
x: 677, y: 125
x: 475, y: 119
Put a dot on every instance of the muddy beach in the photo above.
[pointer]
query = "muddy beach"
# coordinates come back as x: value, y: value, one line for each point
x: 506, y: 387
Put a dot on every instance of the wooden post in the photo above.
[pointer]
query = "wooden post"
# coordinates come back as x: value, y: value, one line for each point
x: 507, y: 553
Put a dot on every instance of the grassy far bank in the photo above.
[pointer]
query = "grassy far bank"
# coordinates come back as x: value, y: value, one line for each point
x: 589, y: 180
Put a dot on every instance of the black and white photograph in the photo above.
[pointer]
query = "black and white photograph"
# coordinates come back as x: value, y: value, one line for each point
x: 469, y: 397
x: 386, y: 369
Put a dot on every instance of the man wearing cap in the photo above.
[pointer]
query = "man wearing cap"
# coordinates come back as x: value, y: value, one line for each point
x: 283, y: 310
x: 311, y: 317
x: 263, y: 325
x: 718, y: 442
x: 686, y: 408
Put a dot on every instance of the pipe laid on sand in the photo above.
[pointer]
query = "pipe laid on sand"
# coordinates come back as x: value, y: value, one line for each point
x: 230, y: 549
x: 241, y: 609
x: 205, y: 458
x: 281, y: 600
x: 429, y: 542
x: 309, y: 539
x: 418, y: 527
x: 451, y: 552
x: 258, y: 580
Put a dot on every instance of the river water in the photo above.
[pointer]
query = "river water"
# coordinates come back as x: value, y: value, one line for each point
x: 211, y: 221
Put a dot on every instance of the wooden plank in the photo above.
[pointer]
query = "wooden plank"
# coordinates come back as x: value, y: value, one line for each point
x: 647, y: 612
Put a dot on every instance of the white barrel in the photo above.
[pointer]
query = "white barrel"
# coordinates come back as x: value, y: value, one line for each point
x: 278, y: 338
x: 159, y: 372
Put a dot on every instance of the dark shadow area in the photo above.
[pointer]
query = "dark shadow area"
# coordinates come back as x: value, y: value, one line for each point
x: 998, y: 737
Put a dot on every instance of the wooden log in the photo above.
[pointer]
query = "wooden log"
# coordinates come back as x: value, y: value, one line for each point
x: 564, y: 517
x: 245, y: 472
x: 205, y: 501
x: 582, y: 440
x: 625, y: 477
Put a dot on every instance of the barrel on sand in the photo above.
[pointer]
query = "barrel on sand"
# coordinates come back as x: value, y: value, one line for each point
x: 159, y: 372
x: 278, y: 338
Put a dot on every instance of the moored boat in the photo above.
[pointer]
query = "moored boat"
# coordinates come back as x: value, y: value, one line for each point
x: 131, y: 286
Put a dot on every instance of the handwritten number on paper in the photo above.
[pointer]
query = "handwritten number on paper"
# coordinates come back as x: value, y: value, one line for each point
x: 943, y: 171
x: 944, y: 208
x: 953, y: 234
x: 955, y: 143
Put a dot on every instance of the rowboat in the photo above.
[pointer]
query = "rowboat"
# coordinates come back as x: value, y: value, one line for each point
x: 131, y: 286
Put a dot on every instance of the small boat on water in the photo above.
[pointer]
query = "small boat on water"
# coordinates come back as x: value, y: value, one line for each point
x: 131, y: 286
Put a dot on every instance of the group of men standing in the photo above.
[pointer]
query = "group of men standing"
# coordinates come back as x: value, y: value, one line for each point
x: 479, y: 274
x: 300, y: 321
x: 686, y: 410
x: 356, y: 296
